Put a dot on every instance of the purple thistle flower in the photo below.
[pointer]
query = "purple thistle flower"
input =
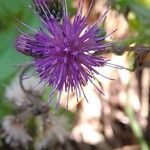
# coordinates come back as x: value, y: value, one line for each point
x: 63, y: 55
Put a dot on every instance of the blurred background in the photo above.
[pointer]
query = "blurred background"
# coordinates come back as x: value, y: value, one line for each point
x: 120, y: 120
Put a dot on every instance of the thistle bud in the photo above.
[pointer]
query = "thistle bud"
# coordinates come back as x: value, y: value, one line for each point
x: 48, y: 9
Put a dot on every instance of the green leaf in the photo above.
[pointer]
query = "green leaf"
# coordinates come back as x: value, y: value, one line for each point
x: 10, y: 10
x: 9, y: 56
x: 142, y: 12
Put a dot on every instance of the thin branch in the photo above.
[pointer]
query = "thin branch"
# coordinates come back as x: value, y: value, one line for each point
x: 122, y: 49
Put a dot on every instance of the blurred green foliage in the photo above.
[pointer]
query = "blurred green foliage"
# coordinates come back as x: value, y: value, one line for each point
x: 138, y: 15
x: 10, y: 11
x: 137, y: 12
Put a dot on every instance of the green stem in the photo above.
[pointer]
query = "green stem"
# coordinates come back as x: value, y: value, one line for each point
x: 135, y: 127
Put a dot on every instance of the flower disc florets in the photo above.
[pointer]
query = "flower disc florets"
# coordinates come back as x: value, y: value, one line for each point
x: 63, y: 55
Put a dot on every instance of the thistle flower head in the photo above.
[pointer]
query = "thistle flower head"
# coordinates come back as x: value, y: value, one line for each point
x: 63, y: 55
x: 14, y: 133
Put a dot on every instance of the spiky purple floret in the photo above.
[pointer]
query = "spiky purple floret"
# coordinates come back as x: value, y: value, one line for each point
x: 63, y: 55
